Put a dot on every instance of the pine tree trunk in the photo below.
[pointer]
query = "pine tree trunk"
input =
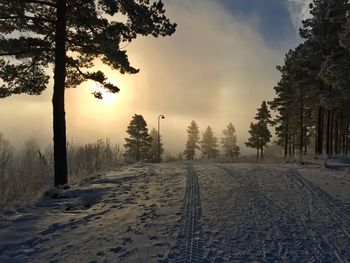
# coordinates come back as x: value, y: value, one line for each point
x: 257, y: 154
x: 305, y: 141
x: 328, y: 132
x: 137, y: 149
x: 286, y: 140
x: 59, y: 121
x: 336, y: 136
x: 290, y: 147
x: 347, y: 138
x: 344, y: 135
x: 301, y: 130
x: 319, y: 136
x: 262, y: 153
x: 293, y: 144
x: 331, y: 135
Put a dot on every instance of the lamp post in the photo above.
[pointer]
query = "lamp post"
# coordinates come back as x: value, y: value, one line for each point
x: 160, y: 116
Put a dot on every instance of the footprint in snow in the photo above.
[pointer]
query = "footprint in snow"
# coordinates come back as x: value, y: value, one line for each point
x: 118, y: 249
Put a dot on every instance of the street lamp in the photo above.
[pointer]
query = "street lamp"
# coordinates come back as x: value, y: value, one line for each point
x: 160, y: 116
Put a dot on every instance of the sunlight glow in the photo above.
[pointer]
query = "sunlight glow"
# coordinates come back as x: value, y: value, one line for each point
x: 107, y: 97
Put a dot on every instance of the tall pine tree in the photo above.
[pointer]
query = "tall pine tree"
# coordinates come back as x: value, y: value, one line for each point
x: 209, y: 144
x: 229, y: 142
x: 259, y: 132
x: 71, y: 36
x: 139, y: 142
x: 192, y: 141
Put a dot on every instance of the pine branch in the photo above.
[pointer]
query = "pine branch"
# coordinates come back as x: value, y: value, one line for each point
x: 34, y: 50
x: 79, y: 4
x: 41, y: 2
x: 27, y: 18
x: 19, y: 52
x: 89, y: 48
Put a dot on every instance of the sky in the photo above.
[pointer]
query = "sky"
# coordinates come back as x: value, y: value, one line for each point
x: 217, y: 68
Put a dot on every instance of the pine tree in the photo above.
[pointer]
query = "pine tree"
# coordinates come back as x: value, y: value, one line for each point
x: 71, y: 36
x: 209, y: 144
x: 264, y: 115
x: 139, y: 142
x: 324, y: 29
x: 297, y: 96
x: 153, y: 151
x: 260, y: 134
x: 192, y: 141
x: 229, y: 142
x: 253, y: 140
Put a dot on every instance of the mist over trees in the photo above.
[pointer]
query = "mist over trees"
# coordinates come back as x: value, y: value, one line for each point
x: 70, y: 37
x: 155, y: 147
x: 312, y: 97
x: 208, y: 144
x: 192, y: 141
x: 229, y: 142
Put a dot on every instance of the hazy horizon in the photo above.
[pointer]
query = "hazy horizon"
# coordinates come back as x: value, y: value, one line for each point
x: 217, y: 68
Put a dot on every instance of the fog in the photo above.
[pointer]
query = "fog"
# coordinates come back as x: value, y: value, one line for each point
x: 215, y: 69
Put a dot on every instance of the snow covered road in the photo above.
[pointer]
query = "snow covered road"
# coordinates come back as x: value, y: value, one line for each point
x: 185, y: 212
x: 270, y: 213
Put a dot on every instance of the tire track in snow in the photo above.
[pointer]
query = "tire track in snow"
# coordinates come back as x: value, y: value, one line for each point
x: 321, y: 203
x: 189, y: 243
x: 301, y: 224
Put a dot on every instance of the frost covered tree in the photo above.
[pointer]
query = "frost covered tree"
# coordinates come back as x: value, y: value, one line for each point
x: 229, y: 142
x: 192, y: 141
x: 6, y: 156
x: 139, y: 142
x: 69, y: 37
x: 208, y: 144
x: 153, y: 151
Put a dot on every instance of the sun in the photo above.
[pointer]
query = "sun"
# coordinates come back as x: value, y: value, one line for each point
x: 107, y: 97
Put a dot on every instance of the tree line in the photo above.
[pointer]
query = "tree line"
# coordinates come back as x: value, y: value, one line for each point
x: 313, y: 97
x: 142, y: 146
x: 208, y: 143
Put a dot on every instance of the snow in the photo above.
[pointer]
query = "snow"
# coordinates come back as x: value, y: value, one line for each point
x: 189, y: 212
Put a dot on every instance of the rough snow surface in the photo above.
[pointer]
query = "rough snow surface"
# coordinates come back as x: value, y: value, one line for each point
x: 185, y: 212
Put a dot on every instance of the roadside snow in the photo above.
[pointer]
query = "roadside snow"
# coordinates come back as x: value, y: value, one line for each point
x: 182, y: 212
x: 126, y: 215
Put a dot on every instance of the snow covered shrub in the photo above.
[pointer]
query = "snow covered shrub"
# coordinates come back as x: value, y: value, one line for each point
x: 6, y: 168
x: 92, y: 158
x: 6, y: 156
x: 28, y: 174
x: 25, y: 175
x: 32, y: 176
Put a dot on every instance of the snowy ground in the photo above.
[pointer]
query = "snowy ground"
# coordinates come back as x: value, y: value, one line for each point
x: 189, y: 213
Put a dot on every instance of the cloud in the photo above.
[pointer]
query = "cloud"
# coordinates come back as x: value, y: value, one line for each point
x: 299, y: 10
